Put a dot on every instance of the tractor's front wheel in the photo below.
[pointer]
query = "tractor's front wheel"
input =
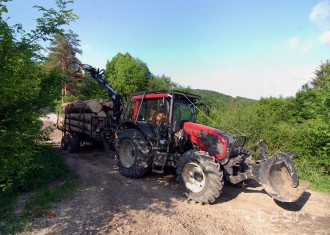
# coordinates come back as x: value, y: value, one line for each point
x: 133, y: 153
x: 200, y: 176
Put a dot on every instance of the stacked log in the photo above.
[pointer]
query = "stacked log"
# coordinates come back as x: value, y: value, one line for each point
x: 84, y: 117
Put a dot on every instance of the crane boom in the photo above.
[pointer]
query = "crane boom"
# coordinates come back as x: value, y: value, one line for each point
x: 99, y: 76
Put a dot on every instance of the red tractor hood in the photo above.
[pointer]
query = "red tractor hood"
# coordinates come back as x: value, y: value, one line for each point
x: 209, y: 139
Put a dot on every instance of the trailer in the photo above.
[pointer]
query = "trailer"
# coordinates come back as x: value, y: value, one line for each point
x: 91, y: 120
x: 76, y: 132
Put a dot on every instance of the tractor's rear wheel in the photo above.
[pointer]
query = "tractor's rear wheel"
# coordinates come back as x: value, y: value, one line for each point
x: 133, y: 153
x: 200, y: 176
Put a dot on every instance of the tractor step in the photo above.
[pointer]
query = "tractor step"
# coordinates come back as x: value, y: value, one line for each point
x: 159, y: 163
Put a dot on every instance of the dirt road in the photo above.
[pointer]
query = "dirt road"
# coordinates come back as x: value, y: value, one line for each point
x: 107, y: 202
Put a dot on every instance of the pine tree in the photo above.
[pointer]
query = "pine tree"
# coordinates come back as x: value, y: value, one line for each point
x: 62, y: 55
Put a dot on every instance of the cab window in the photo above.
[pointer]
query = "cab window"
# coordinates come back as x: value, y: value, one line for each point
x: 143, y: 112
x: 183, y: 111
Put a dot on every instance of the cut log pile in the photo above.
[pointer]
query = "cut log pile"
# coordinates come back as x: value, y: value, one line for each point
x: 86, y: 116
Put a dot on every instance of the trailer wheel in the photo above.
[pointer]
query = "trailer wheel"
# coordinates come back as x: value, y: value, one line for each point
x: 64, y: 142
x: 200, y: 177
x: 73, y: 144
x: 133, y: 153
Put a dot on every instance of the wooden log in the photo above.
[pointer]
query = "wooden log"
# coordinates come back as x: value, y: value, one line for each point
x: 83, y: 117
x: 101, y: 114
x: 108, y: 104
x: 88, y: 118
x: 78, y: 130
x: 75, y: 123
x: 86, y: 106
x: 100, y: 101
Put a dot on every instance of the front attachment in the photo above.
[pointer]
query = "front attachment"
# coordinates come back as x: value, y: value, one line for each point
x: 278, y: 176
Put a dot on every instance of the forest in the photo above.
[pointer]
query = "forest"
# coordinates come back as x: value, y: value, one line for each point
x: 31, y: 81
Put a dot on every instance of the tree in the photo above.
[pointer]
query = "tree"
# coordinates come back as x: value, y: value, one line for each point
x: 161, y: 83
x: 62, y: 55
x: 127, y: 74
x: 21, y: 75
x: 91, y: 89
x: 321, y: 76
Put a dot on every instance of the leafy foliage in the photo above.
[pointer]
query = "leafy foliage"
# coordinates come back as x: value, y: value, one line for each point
x: 127, y: 74
x: 50, y: 23
x: 25, y: 86
x: 91, y: 90
x: 160, y: 83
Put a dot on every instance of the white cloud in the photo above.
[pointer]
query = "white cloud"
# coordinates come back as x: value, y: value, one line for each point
x: 320, y: 15
x: 296, y: 44
x: 325, y: 38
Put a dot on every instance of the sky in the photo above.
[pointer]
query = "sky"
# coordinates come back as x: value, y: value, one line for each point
x: 241, y: 48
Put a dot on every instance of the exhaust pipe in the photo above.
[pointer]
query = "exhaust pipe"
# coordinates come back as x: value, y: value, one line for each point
x: 278, y: 176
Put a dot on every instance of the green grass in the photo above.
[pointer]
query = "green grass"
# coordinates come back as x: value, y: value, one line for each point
x: 319, y: 180
x: 47, y: 196
x: 52, y: 182
x: 7, y: 217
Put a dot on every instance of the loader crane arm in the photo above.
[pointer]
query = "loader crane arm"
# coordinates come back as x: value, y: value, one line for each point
x: 99, y: 76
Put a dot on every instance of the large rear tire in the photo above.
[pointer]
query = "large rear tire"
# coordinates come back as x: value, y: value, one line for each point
x: 133, y: 153
x: 200, y: 176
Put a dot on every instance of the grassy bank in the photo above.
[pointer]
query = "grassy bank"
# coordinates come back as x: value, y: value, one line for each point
x: 51, y: 182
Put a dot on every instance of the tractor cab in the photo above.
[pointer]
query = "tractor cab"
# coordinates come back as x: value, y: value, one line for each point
x: 161, y: 114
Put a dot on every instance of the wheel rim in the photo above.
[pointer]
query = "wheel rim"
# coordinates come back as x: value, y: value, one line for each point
x: 193, y: 177
x: 127, y: 153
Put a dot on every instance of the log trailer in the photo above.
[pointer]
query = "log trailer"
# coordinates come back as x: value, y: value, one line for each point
x: 203, y: 156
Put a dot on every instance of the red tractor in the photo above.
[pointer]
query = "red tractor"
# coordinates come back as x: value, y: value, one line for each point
x: 159, y: 129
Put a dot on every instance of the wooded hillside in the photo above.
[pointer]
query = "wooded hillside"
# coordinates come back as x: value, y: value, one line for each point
x: 299, y: 123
